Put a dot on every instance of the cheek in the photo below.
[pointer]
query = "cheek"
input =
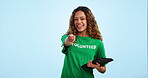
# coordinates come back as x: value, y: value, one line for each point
x: 75, y: 23
x: 85, y: 22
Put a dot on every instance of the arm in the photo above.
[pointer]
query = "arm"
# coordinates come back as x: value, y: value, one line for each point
x: 101, y: 69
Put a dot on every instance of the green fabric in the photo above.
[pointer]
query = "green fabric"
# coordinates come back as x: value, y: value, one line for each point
x: 84, y: 50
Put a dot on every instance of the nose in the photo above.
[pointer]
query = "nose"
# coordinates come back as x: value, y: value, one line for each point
x: 79, y: 21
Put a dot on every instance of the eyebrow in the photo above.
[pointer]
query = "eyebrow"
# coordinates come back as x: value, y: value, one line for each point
x: 80, y: 17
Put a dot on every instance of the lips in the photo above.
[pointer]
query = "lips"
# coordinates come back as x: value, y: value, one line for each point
x: 79, y: 26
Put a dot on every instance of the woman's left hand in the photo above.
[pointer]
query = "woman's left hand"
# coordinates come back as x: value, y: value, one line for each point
x: 90, y: 64
x: 101, y: 69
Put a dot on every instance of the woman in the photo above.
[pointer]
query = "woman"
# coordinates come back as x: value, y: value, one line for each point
x: 82, y: 44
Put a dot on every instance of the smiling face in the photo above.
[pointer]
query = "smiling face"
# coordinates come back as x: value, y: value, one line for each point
x: 80, y: 21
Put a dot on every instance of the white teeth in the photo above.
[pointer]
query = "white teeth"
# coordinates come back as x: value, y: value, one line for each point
x: 80, y: 25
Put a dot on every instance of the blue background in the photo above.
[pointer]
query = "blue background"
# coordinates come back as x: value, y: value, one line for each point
x: 31, y: 30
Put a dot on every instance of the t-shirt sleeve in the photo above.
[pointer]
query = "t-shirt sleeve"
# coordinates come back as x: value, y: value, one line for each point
x: 100, y: 51
x: 65, y: 48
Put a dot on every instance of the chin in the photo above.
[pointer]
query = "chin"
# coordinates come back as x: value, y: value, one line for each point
x: 80, y: 30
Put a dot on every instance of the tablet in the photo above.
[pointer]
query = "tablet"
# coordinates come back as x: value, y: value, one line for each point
x: 101, y: 61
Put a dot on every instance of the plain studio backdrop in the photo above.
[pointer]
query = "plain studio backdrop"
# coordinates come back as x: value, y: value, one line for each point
x: 31, y: 30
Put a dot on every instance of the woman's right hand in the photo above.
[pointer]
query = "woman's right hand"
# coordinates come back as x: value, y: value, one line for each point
x: 69, y: 40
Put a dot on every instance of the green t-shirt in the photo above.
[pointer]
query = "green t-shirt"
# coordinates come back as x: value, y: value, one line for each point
x: 84, y: 50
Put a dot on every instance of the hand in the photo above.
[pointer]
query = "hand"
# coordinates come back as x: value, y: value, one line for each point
x: 101, y: 69
x: 90, y: 64
x: 71, y: 38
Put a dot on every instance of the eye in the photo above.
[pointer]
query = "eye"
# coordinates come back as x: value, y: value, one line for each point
x: 82, y: 18
x: 75, y: 19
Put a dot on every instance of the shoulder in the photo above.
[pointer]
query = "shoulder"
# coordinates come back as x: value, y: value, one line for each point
x: 97, y: 41
x: 64, y: 37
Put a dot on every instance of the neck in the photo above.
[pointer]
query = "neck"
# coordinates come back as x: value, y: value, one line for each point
x: 83, y: 34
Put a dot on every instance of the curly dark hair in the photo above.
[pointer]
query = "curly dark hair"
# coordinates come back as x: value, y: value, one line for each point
x: 92, y: 27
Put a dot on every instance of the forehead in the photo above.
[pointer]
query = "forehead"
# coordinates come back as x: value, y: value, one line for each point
x: 79, y: 14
